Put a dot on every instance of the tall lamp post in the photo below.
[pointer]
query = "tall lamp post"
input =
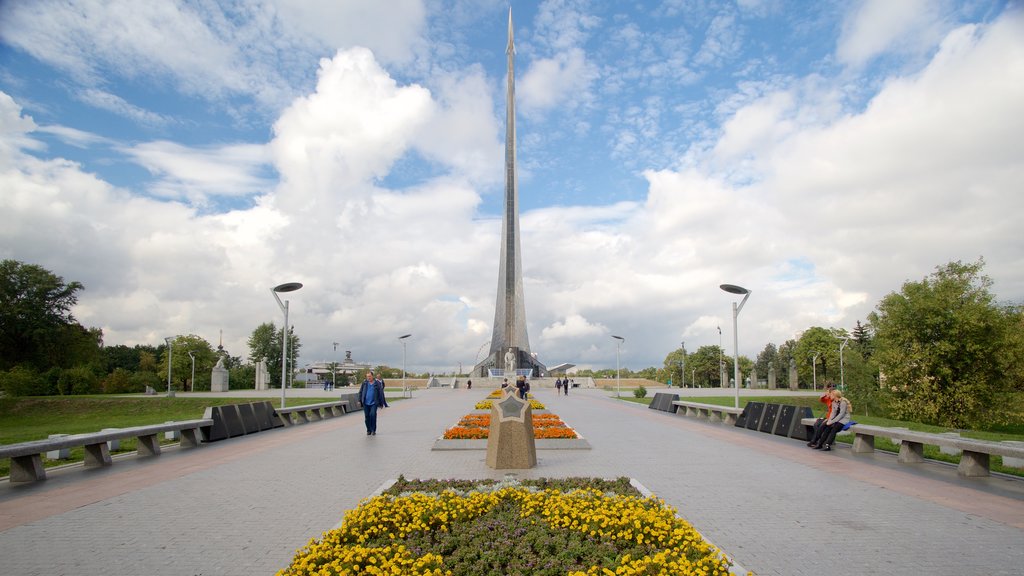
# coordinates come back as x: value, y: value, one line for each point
x: 721, y: 363
x: 734, y: 289
x: 405, y: 386
x: 193, y: 381
x: 286, y: 287
x: 842, y: 377
x: 682, y: 364
x: 170, y: 349
x: 814, y: 369
x: 618, y: 379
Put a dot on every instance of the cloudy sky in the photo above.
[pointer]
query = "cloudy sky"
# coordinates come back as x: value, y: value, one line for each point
x: 181, y: 158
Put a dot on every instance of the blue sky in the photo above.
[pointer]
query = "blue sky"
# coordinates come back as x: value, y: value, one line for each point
x: 179, y: 158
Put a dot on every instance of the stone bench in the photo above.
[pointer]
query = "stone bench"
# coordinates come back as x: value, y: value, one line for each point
x: 712, y: 412
x: 312, y: 412
x: 974, y: 457
x: 27, y: 462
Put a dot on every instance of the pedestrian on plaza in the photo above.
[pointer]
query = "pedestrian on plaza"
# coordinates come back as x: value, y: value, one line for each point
x: 558, y: 385
x: 565, y: 386
x: 371, y: 396
x: 521, y: 387
x: 842, y: 409
x: 469, y: 384
x: 504, y: 384
x: 826, y: 399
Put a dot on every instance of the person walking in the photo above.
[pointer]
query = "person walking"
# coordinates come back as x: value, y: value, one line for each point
x: 371, y: 396
x: 469, y: 384
x: 558, y: 386
x: 565, y: 386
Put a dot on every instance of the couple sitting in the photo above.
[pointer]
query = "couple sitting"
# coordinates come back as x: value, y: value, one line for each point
x: 837, y: 417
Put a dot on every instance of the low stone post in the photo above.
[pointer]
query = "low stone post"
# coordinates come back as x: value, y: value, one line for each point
x: 510, y: 442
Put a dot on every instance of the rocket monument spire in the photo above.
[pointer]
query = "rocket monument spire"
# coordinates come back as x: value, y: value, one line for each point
x: 509, y: 332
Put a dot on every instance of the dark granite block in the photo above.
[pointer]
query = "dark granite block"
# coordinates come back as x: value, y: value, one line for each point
x: 232, y: 420
x: 771, y: 411
x: 801, y: 432
x: 754, y: 411
x: 262, y: 411
x: 784, y: 424
x: 248, y: 418
x: 218, y: 430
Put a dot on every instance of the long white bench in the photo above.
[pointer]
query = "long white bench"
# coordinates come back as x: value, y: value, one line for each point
x: 27, y: 462
x: 312, y: 412
x: 725, y: 414
x: 974, y: 457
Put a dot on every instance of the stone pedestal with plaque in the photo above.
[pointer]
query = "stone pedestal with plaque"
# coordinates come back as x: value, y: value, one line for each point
x: 510, y: 443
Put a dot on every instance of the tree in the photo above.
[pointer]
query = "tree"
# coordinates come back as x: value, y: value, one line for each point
x: 939, y: 344
x: 823, y: 343
x: 703, y: 365
x: 181, y: 362
x: 675, y: 365
x: 265, y: 344
x: 863, y: 339
x: 35, y: 314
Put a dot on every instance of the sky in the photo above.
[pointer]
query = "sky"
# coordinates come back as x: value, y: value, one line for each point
x: 179, y: 159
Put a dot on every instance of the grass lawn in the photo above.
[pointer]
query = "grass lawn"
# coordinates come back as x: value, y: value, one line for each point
x: 931, y: 452
x: 35, y: 418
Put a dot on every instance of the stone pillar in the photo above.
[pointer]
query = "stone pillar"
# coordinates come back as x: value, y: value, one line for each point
x: 262, y: 377
x: 219, y: 377
x: 794, y: 383
x: 510, y: 443
x: 753, y: 378
x: 771, y: 377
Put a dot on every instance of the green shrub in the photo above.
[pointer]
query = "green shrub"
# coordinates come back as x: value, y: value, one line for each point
x: 22, y: 381
x: 117, y: 382
x: 78, y: 380
x: 139, y: 380
x: 640, y: 392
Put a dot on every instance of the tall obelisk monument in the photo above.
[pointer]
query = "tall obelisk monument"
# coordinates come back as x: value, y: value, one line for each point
x: 509, y: 343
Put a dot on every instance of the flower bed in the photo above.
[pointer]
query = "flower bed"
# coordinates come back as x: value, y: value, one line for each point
x: 477, y: 426
x: 486, y: 405
x: 497, y: 394
x: 579, y: 527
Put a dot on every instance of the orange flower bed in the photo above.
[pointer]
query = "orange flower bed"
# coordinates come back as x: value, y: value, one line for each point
x: 477, y: 427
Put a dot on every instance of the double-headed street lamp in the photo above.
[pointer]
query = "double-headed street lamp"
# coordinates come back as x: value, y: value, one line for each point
x: 170, y: 349
x: 405, y: 386
x: 286, y: 287
x: 618, y: 379
x: 734, y: 289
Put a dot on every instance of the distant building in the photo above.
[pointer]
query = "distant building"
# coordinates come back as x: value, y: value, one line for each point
x: 316, y: 373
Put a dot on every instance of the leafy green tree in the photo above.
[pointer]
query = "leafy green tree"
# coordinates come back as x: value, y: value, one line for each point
x: 23, y: 381
x: 675, y: 365
x: 78, y: 380
x: 767, y: 358
x: 181, y: 362
x: 704, y: 366
x: 824, y: 344
x: 36, y: 325
x: 939, y: 344
x: 265, y: 344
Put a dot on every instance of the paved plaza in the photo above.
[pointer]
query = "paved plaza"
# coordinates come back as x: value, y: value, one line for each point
x: 243, y: 506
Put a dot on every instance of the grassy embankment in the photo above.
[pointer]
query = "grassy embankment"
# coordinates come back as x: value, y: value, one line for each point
x: 1012, y: 431
x: 35, y: 418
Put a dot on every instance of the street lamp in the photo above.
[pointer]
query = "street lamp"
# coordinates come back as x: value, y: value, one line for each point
x: 814, y: 369
x: 286, y: 287
x: 618, y: 379
x: 193, y: 357
x: 733, y: 289
x: 405, y: 386
x: 170, y: 349
x: 842, y: 377
x: 682, y: 364
x: 721, y: 363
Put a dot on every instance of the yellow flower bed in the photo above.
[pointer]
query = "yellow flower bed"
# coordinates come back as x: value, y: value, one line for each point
x: 676, y: 548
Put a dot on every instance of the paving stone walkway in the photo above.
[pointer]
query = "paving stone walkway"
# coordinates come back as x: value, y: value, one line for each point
x: 243, y: 506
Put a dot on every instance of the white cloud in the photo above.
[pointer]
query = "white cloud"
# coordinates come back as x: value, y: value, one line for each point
x: 114, y: 103
x: 574, y: 326
x: 390, y: 29
x: 879, y: 26
x: 199, y: 173
x: 560, y: 81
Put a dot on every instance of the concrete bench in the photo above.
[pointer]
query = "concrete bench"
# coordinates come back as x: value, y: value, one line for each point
x: 725, y: 414
x: 312, y: 412
x: 974, y: 457
x: 27, y: 462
